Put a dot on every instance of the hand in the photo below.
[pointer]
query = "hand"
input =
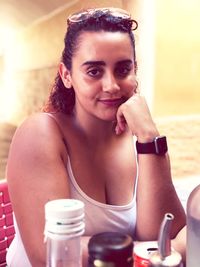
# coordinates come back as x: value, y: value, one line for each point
x: 135, y: 115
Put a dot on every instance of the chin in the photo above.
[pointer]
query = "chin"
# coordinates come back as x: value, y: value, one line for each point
x: 109, y: 118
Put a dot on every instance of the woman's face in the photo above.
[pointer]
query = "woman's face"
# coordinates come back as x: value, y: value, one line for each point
x: 102, y: 74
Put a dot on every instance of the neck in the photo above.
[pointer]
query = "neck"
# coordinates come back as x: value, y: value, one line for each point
x: 93, y: 129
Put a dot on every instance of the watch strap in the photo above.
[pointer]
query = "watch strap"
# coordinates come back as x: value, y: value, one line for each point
x: 145, y: 148
x: 158, y: 146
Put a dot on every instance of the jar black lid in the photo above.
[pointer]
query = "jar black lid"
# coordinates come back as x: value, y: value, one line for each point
x: 110, y: 246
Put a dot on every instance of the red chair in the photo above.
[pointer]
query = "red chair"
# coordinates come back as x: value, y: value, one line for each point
x: 7, y: 230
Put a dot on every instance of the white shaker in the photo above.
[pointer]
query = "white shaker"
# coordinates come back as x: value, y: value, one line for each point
x: 64, y: 226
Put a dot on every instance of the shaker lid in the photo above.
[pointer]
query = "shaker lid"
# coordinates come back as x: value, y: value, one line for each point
x: 64, y: 210
x: 64, y: 216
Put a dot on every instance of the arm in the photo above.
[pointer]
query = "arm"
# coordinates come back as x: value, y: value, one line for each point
x: 156, y: 194
x: 36, y: 174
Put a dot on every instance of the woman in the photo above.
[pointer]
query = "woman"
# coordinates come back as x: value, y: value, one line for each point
x: 83, y: 145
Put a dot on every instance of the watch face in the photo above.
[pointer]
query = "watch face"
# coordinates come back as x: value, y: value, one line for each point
x: 161, y: 145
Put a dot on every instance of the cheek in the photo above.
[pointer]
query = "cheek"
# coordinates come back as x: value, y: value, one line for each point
x: 84, y: 93
x: 91, y: 90
x: 86, y: 86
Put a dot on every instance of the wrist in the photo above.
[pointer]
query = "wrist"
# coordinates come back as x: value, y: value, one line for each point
x: 147, y: 136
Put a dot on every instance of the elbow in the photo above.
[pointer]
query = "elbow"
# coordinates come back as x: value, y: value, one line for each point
x: 38, y: 263
x: 37, y: 260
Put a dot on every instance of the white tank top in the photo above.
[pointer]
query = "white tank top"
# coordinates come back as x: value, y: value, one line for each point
x: 99, y: 217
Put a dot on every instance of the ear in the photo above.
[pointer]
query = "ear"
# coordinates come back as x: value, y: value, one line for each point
x: 65, y: 75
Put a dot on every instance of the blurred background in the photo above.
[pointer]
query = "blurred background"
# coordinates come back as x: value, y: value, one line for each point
x: 168, y: 53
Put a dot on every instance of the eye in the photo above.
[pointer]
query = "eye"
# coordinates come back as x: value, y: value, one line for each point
x: 123, y: 71
x: 95, y: 72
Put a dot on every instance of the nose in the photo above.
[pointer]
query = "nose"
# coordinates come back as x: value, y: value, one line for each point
x: 110, y: 83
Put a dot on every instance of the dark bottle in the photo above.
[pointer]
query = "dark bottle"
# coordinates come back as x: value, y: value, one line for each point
x: 110, y: 249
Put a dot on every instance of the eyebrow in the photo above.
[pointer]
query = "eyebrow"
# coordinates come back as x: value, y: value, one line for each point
x: 102, y: 63
x: 93, y: 62
x: 125, y: 61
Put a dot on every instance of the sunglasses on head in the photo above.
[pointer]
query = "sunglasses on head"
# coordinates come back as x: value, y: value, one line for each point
x: 86, y: 14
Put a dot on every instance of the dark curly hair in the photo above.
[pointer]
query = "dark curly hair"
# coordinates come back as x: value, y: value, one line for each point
x: 107, y: 19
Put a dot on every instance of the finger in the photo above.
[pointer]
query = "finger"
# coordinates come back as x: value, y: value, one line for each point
x: 121, y: 123
x: 117, y: 130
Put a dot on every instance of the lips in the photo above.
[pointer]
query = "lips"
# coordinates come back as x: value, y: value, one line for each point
x: 112, y: 101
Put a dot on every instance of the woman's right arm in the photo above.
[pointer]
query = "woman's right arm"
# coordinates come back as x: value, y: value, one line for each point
x: 36, y: 174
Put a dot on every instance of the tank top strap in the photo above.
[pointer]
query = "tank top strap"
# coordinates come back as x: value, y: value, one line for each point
x: 51, y: 115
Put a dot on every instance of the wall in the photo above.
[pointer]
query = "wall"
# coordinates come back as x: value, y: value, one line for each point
x: 177, y: 82
x: 177, y: 57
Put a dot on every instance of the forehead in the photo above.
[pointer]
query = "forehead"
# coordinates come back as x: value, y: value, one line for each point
x: 103, y: 44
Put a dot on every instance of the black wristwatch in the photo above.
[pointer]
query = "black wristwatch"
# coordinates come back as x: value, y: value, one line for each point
x: 158, y: 146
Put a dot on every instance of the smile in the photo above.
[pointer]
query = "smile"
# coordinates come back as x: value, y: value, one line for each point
x: 112, y: 102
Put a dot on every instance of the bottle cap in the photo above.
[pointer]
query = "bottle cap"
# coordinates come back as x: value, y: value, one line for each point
x: 111, y: 247
x: 64, y: 216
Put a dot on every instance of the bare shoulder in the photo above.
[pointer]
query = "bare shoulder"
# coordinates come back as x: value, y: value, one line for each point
x: 41, y: 122
x: 38, y: 140
x: 38, y: 129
